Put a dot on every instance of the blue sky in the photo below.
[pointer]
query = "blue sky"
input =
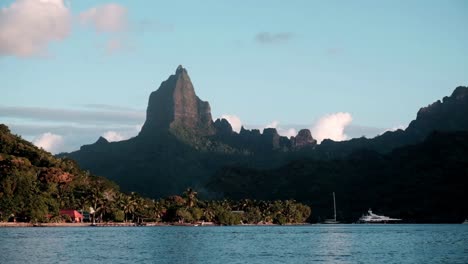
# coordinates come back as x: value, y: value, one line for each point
x: 292, y: 62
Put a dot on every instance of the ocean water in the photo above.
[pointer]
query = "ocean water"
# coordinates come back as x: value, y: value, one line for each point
x: 237, y: 244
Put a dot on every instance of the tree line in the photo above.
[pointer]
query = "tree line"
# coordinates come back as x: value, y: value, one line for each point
x: 187, y: 208
x: 35, y: 186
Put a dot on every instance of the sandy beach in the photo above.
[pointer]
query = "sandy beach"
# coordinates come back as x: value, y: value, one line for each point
x: 109, y: 224
x: 9, y: 224
x: 112, y: 224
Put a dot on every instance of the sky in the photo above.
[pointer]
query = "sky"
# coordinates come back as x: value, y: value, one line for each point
x: 72, y: 71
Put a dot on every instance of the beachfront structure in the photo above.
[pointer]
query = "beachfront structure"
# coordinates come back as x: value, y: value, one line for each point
x: 74, y: 215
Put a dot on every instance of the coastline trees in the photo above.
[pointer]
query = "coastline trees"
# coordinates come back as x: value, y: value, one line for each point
x: 34, y: 186
x: 191, y: 197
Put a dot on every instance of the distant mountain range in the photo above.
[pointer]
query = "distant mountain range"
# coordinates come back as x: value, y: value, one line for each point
x: 425, y: 182
x: 450, y: 114
x: 180, y: 145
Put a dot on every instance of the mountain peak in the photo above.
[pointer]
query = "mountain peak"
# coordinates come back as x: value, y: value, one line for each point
x: 180, y: 69
x: 460, y: 92
x: 102, y: 140
x: 175, y: 107
x: 304, y: 138
x: 440, y: 115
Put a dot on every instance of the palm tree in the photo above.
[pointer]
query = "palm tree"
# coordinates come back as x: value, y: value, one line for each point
x: 141, y: 208
x: 127, y: 204
x: 191, y: 197
x: 94, y: 199
x: 157, y: 209
x: 104, y: 207
x: 209, y: 214
x: 132, y: 204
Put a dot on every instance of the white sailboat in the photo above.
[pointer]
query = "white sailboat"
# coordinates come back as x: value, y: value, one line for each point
x: 332, y: 221
x: 466, y: 222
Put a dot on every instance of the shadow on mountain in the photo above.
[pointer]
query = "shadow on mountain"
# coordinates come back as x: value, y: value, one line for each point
x: 426, y: 182
x: 180, y: 145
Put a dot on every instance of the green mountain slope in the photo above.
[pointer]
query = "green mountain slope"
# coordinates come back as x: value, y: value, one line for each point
x: 35, y: 185
x: 426, y: 182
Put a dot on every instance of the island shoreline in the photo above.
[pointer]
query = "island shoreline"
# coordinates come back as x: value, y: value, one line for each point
x: 16, y: 225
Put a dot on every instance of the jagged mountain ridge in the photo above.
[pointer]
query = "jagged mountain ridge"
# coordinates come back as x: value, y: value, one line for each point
x: 181, y: 146
x: 425, y: 182
x: 175, y: 108
x: 450, y: 114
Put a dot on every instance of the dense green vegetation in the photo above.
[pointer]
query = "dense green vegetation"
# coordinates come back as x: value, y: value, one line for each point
x: 34, y: 186
x: 188, y: 209
x: 425, y: 182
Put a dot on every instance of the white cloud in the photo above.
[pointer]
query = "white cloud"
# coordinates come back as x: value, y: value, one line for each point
x: 106, y: 18
x: 138, y: 127
x: 402, y: 127
x: 112, y: 136
x: 76, y: 126
x: 285, y: 132
x: 395, y: 128
x: 332, y: 127
x: 235, y: 122
x: 50, y: 142
x: 288, y: 132
x: 74, y: 135
x: 28, y: 26
x: 273, y: 124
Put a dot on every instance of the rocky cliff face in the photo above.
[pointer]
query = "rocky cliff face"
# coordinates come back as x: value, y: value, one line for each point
x: 448, y: 115
x: 303, y: 139
x: 176, y: 108
x: 180, y: 145
x: 223, y: 127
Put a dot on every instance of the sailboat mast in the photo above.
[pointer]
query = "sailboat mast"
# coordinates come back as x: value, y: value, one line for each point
x: 334, y: 205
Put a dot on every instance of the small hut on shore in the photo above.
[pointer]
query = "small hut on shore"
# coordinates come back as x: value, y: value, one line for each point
x: 74, y: 215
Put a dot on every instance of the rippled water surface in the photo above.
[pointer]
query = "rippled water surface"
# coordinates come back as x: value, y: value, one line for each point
x: 238, y: 244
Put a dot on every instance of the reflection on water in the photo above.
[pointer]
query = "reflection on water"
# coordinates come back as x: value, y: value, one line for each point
x: 240, y: 244
x: 335, y: 244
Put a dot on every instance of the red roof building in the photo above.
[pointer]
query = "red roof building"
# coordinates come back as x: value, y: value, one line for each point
x: 75, y: 216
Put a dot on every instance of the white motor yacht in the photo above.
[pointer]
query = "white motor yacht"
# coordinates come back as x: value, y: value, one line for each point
x: 371, y: 218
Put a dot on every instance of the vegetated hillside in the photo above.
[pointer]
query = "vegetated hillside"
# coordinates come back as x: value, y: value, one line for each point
x: 35, y: 185
x: 425, y: 182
